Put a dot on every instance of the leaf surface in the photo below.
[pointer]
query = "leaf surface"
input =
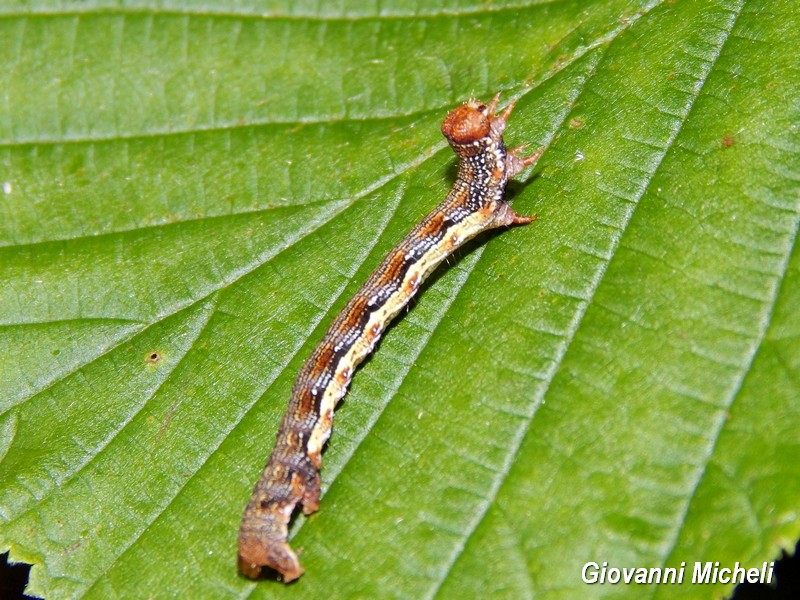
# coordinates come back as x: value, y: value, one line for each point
x: 188, y: 196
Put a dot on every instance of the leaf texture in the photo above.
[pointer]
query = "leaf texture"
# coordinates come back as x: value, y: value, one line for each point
x: 189, y: 193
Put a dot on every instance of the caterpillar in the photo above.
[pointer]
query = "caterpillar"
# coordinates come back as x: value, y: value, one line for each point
x: 474, y: 204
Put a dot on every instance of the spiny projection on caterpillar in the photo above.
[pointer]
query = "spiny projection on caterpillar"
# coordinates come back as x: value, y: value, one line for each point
x: 475, y: 204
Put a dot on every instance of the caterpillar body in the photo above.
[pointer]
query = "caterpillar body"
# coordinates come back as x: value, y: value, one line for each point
x: 475, y: 204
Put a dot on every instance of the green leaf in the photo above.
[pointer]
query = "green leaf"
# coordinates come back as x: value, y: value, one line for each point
x: 189, y: 194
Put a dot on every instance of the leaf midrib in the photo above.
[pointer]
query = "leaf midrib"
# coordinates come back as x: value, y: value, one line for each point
x: 525, y: 426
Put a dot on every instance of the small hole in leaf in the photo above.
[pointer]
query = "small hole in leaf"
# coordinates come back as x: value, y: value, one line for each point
x: 153, y: 358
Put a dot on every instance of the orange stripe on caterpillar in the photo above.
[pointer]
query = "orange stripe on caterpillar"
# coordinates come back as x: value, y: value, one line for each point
x: 475, y: 204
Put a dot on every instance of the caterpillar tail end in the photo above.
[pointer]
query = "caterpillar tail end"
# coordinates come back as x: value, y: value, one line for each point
x: 254, y: 555
x: 263, y: 538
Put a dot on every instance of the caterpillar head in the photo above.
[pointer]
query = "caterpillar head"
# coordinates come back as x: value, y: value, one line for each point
x: 467, y: 126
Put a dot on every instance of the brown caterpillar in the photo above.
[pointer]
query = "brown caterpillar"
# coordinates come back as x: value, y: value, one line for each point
x: 475, y: 204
